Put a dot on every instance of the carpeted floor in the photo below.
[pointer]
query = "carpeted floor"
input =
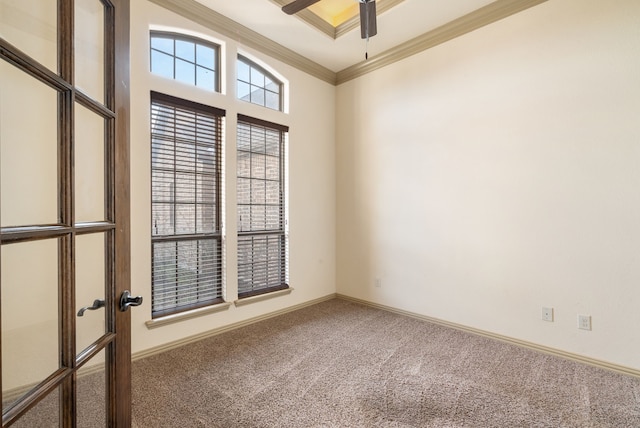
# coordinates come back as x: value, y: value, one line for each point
x: 340, y: 364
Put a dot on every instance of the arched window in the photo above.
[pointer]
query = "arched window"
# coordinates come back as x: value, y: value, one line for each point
x: 257, y: 86
x: 186, y: 59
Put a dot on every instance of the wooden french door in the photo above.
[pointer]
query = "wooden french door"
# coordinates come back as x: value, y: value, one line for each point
x: 64, y: 199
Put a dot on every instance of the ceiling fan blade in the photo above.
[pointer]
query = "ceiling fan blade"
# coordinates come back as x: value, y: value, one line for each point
x: 297, y: 5
x: 368, y: 25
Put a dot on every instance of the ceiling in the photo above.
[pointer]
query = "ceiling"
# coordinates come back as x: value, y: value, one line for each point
x: 340, y: 46
x: 334, y: 12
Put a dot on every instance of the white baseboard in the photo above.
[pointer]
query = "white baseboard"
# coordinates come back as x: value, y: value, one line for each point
x: 214, y: 332
x: 17, y: 392
x: 534, y: 346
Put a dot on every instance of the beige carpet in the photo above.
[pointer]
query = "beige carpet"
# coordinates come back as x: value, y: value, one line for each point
x: 340, y: 364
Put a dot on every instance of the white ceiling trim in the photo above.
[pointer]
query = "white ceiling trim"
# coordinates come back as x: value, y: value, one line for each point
x: 312, y: 19
x: 381, y: 7
x: 334, y: 32
x: 479, y: 18
x: 219, y: 23
x: 486, y: 15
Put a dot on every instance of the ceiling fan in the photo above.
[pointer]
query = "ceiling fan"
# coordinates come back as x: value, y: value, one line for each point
x: 368, y: 26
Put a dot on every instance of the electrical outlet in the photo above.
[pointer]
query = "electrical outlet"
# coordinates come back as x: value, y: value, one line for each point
x: 378, y: 282
x: 584, y: 322
x: 547, y: 314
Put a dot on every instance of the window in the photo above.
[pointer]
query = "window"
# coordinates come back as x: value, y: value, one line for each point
x: 185, y: 59
x: 262, y: 238
x: 186, y: 204
x: 257, y: 86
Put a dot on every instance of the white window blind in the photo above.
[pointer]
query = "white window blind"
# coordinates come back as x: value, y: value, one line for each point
x: 186, y: 201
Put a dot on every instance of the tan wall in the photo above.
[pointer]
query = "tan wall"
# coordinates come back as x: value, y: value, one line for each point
x: 499, y: 173
x: 28, y: 319
x: 311, y: 119
x: 479, y: 181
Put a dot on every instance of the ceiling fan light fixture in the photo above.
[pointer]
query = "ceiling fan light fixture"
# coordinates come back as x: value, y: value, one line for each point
x: 368, y: 25
x: 297, y: 5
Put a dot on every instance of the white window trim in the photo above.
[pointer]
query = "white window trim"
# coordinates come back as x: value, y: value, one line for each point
x: 222, y: 66
x: 182, y: 316
x: 272, y: 71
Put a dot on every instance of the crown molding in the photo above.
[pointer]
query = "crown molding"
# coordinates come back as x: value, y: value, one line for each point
x: 472, y: 21
x: 354, y: 22
x: 486, y: 15
x: 334, y: 32
x: 312, y: 19
x: 219, y: 23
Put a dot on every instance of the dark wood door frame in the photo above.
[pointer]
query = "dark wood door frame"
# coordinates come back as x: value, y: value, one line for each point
x: 116, y: 226
x: 120, y: 375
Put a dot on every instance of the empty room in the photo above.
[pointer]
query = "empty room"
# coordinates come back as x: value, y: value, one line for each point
x: 329, y: 213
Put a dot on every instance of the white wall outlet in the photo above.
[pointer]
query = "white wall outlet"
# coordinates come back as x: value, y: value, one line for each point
x: 584, y: 322
x: 378, y: 282
x: 547, y: 314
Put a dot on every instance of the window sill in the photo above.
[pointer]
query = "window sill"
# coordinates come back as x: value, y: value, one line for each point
x: 170, y: 319
x: 261, y: 297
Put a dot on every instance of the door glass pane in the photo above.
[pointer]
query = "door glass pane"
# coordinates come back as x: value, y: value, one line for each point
x: 89, y: 47
x: 29, y: 315
x: 90, y: 279
x: 89, y: 165
x: 44, y: 414
x: 29, y: 137
x: 92, y: 393
x: 30, y: 25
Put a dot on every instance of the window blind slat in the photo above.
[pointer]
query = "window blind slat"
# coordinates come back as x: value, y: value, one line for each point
x: 262, y: 240
x: 186, y: 178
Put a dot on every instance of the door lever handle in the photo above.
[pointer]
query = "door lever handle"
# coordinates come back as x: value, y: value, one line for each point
x: 126, y: 300
x: 97, y: 304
